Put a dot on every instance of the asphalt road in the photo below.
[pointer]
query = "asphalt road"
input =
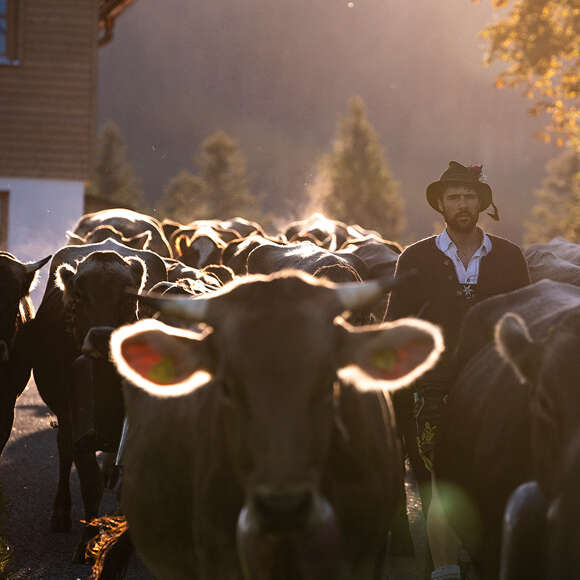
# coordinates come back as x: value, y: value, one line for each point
x: 28, y: 479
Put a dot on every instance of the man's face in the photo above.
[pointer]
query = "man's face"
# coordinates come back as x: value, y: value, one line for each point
x: 459, y: 205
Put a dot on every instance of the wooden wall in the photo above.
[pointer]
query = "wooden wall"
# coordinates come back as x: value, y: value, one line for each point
x: 48, y: 101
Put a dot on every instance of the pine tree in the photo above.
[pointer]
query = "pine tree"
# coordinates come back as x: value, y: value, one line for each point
x: 184, y: 198
x: 221, y: 190
x: 557, y: 208
x: 114, y: 175
x: 223, y: 170
x: 354, y: 182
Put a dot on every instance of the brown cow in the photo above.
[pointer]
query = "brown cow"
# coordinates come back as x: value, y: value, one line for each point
x: 129, y: 223
x: 247, y: 455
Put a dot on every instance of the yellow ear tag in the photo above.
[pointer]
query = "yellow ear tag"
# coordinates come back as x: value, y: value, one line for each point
x: 385, y: 359
x: 163, y: 372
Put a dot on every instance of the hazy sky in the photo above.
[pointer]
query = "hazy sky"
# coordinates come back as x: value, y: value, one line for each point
x: 277, y: 76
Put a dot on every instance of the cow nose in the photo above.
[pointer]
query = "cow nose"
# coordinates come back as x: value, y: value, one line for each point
x: 283, y: 510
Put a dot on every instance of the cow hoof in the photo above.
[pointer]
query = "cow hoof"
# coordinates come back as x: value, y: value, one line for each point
x: 60, y: 523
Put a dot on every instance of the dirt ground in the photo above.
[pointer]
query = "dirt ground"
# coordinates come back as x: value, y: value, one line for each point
x: 28, y: 478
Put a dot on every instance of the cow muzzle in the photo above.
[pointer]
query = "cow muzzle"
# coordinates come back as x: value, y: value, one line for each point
x: 282, y: 510
x: 292, y: 530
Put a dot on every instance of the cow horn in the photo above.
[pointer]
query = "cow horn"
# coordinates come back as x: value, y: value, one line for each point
x: 188, y: 308
x: 353, y: 295
x: 30, y: 268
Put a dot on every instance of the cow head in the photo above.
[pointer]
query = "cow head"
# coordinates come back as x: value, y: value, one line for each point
x: 16, y: 281
x: 199, y: 249
x: 551, y: 368
x: 276, y: 348
x: 94, y: 292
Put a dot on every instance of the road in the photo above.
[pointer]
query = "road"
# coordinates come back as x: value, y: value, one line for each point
x: 28, y: 479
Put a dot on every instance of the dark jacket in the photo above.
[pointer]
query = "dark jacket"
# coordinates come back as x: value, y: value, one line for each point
x: 435, y: 293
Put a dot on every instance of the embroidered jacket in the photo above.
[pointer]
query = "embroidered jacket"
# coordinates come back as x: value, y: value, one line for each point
x: 436, y: 295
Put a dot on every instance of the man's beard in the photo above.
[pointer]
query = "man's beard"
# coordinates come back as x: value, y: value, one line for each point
x: 458, y: 225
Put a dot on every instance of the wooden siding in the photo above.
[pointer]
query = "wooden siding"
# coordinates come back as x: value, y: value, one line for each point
x: 48, y: 101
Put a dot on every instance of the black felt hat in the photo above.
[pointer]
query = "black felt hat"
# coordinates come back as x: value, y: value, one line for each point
x: 457, y: 174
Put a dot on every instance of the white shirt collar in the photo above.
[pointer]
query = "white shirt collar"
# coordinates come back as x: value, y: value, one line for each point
x: 445, y: 243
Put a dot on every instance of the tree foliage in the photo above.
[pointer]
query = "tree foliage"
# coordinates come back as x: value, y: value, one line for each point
x: 354, y: 182
x: 220, y: 190
x: 539, y: 40
x: 223, y: 170
x: 114, y: 175
x: 557, y: 208
x: 183, y: 198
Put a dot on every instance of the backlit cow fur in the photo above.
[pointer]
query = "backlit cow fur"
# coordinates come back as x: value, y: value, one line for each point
x: 257, y: 459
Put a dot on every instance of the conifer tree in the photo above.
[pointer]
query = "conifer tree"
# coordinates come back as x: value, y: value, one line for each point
x: 557, y: 208
x: 183, y: 198
x: 354, y: 183
x: 223, y: 171
x: 221, y: 190
x: 114, y: 175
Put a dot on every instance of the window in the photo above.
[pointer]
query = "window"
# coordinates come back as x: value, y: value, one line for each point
x: 9, y: 32
x: 4, y: 219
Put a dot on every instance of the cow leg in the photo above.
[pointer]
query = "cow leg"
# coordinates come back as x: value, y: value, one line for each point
x: 6, y: 419
x: 84, y: 439
x: 92, y: 486
x: 61, y: 519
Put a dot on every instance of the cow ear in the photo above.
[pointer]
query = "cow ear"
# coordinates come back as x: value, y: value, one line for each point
x: 389, y: 355
x: 31, y: 275
x: 182, y: 243
x: 140, y: 241
x: 515, y: 345
x: 161, y: 359
x: 74, y: 239
x: 63, y: 276
x: 138, y: 271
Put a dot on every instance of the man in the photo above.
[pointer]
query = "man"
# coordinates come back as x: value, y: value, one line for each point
x: 454, y: 270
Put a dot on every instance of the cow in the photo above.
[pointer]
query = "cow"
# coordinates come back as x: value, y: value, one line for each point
x: 104, y: 232
x: 380, y: 259
x: 322, y: 231
x: 485, y: 450
x: 305, y: 256
x: 273, y: 452
x: 169, y: 226
x: 87, y: 289
x: 16, y: 312
x: 557, y: 260
x: 339, y: 266
x: 242, y: 226
x: 198, y: 247
x: 235, y: 254
x: 549, y: 367
x: 564, y: 249
x: 222, y: 232
x: 129, y: 223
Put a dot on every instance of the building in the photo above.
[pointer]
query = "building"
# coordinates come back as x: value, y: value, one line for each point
x: 48, y: 91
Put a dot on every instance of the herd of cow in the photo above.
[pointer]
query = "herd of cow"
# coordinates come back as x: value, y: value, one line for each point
x: 243, y: 380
